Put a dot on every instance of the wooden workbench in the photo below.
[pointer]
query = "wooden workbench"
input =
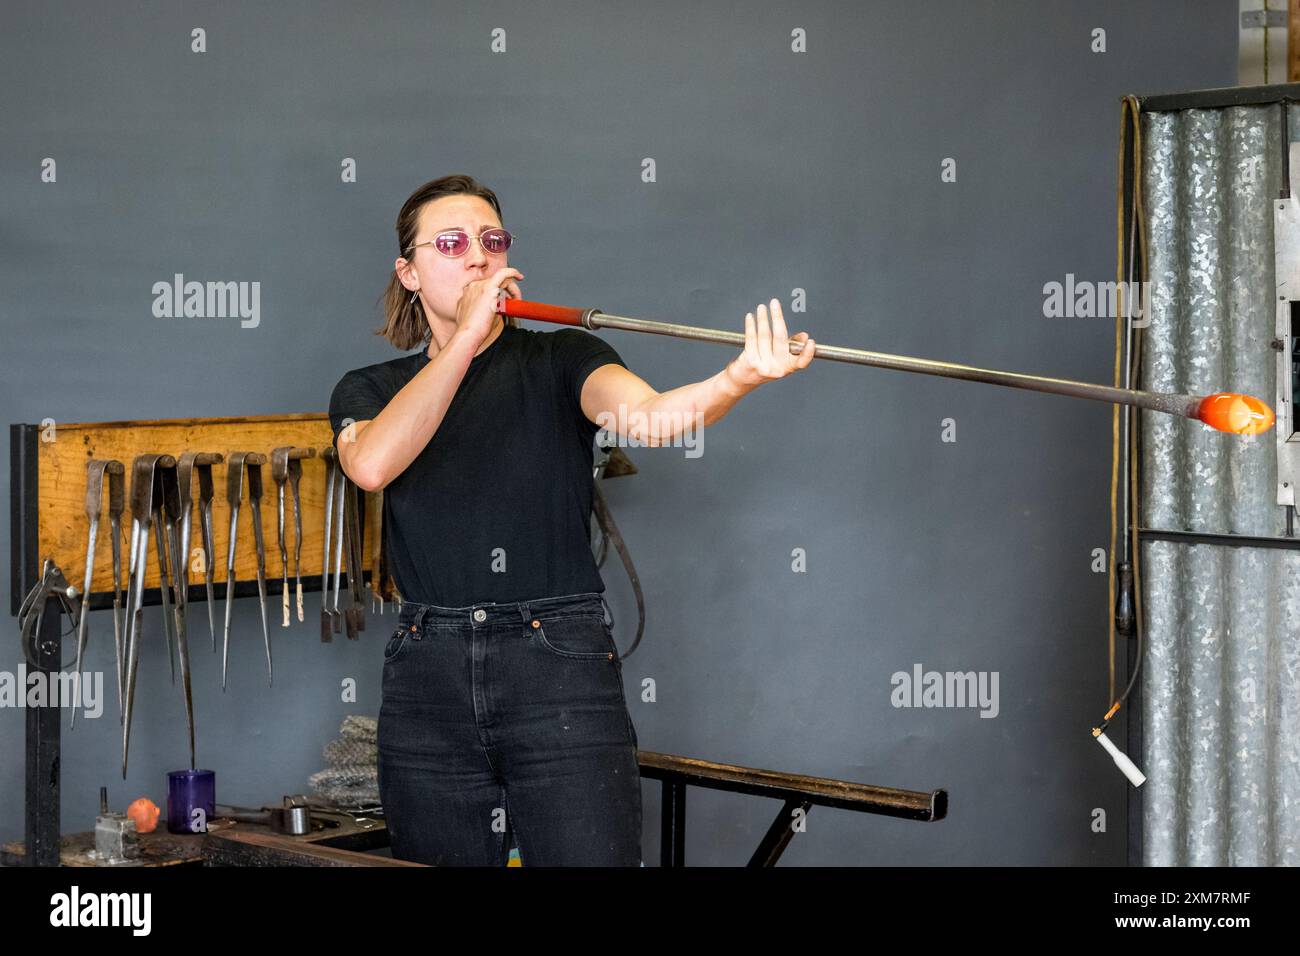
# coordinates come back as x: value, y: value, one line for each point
x: 231, y: 843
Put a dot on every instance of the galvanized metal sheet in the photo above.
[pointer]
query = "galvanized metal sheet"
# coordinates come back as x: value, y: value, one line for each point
x: 1221, y: 682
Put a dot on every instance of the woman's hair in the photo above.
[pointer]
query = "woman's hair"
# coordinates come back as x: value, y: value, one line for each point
x: 404, y: 323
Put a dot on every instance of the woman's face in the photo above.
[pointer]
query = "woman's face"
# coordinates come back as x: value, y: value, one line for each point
x: 440, y: 278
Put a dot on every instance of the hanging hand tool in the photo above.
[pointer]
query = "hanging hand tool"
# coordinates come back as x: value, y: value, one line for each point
x: 340, y: 486
x: 326, y: 620
x: 254, y: 463
x: 130, y: 579
x: 295, y: 478
x: 176, y: 516
x: 375, y: 519
x: 95, y: 469
x: 146, y: 482
x: 51, y: 585
x: 280, y: 474
x: 1225, y: 411
x: 234, y: 492
x: 116, y: 504
x: 203, y: 462
x: 161, y: 542
x: 240, y: 462
x: 356, y: 612
x: 286, y: 464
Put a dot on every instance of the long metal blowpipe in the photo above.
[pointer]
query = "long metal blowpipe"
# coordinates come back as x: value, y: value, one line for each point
x: 1225, y: 411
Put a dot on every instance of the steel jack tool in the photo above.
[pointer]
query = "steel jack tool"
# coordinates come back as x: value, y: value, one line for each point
x: 286, y: 466
x: 240, y: 462
x: 340, y: 488
x: 202, y: 461
x: 95, y: 469
x: 146, y: 495
x: 329, y: 456
x: 116, y: 505
x: 178, y: 498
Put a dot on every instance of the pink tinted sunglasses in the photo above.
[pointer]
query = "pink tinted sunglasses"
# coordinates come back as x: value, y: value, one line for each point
x: 456, y: 242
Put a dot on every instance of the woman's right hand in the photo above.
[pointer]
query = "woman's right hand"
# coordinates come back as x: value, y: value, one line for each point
x: 477, y: 311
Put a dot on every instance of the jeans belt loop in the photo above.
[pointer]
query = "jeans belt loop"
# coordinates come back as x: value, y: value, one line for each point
x: 608, y: 610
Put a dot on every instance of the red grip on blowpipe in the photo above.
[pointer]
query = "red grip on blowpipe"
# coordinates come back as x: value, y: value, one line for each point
x: 523, y: 309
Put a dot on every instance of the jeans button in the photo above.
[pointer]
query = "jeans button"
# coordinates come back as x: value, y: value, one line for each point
x: 480, y: 615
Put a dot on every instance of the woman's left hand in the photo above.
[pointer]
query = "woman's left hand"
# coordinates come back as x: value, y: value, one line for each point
x: 767, y: 354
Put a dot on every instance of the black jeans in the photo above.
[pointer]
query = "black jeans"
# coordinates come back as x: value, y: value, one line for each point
x: 501, y: 718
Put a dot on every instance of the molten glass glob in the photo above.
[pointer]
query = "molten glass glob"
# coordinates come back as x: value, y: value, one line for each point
x: 145, y: 813
x: 1238, y: 414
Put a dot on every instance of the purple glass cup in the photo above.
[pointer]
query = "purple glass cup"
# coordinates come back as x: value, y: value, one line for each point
x: 189, y: 791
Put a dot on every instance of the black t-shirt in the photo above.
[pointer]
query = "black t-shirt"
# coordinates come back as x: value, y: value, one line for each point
x: 497, y: 507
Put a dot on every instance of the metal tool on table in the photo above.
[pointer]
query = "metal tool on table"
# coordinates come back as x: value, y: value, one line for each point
x: 95, y: 470
x: 360, y: 822
x: 362, y: 816
x: 116, y: 839
x: 286, y: 466
x: 174, y: 518
x: 32, y: 611
x: 326, y: 618
x: 290, y: 819
x: 146, y: 494
x: 295, y: 817
x: 356, y: 612
x: 239, y: 463
x: 1225, y: 411
x: 202, y: 461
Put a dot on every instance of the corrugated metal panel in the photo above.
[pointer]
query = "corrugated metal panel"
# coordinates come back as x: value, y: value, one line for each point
x: 1221, y: 684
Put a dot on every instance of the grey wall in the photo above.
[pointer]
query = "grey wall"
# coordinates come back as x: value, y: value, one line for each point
x: 776, y: 171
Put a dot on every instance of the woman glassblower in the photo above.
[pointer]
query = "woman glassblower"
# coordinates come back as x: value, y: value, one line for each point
x: 503, y: 711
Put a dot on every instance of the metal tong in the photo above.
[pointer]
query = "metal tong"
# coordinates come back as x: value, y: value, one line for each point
x: 286, y: 465
x: 178, y: 507
x: 95, y: 469
x: 146, y: 502
x: 32, y: 611
x: 341, y: 524
x: 202, y: 461
x: 240, y: 462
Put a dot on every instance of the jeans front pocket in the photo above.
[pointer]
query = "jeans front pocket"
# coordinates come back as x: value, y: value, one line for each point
x: 398, y: 643
x: 583, y: 637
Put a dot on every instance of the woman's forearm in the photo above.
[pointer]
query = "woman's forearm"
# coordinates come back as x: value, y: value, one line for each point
x: 666, y: 415
x: 384, y: 448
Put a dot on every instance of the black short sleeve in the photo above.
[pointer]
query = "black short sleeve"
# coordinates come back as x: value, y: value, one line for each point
x: 575, y: 355
x: 356, y: 398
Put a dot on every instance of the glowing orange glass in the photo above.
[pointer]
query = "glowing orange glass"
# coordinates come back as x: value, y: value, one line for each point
x: 1238, y: 414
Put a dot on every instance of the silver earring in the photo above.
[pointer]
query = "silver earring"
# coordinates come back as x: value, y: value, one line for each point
x: 415, y: 294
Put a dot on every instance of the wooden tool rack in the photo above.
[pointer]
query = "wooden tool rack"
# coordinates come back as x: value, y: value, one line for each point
x: 48, y: 520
